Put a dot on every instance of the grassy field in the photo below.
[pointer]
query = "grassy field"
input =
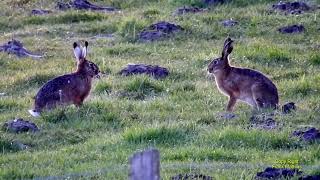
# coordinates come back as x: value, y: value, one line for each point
x: 177, y: 115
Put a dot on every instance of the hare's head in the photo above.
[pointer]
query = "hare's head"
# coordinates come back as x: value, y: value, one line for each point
x: 221, y: 63
x: 85, y: 66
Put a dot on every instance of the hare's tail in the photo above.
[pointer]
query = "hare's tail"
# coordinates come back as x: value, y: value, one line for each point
x: 34, y: 113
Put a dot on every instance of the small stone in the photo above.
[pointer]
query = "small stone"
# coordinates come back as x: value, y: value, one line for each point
x: 288, y: 107
x: 155, y: 71
x: 292, y: 29
x: 20, y: 125
x: 229, y: 23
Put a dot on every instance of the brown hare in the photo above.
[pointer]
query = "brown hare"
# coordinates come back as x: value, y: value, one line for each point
x: 69, y: 88
x: 247, y: 85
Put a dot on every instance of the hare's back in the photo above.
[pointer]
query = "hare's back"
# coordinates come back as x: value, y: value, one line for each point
x: 57, y: 84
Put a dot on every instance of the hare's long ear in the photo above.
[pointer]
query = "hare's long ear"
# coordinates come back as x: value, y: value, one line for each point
x: 77, y: 52
x: 227, y: 48
x: 85, y: 50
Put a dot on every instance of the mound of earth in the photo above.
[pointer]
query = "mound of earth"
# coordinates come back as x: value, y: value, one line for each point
x: 188, y: 9
x: 191, y: 176
x: 277, y: 173
x: 311, y: 134
x: 155, y: 71
x: 288, y: 107
x: 83, y: 5
x: 295, y: 7
x: 40, y: 12
x: 292, y: 29
x: 262, y: 121
x: 20, y: 125
x: 210, y: 2
x: 158, y: 31
x: 16, y: 47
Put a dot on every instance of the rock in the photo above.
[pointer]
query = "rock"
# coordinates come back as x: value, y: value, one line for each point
x: 19, y: 125
x: 277, y: 173
x: 19, y: 146
x: 229, y: 23
x: 16, y: 47
x: 288, y: 107
x: 292, y: 29
x: 40, y: 12
x: 188, y: 9
x: 159, y: 30
x: 310, y: 177
x: 83, y: 5
x: 154, y: 71
x: 190, y: 177
x: 295, y: 7
x: 263, y: 121
x: 311, y: 134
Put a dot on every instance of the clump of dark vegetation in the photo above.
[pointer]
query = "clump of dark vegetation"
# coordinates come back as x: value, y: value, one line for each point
x: 155, y: 71
x: 16, y: 47
x: 277, y: 173
x: 292, y: 29
x: 19, y: 125
x: 159, y: 31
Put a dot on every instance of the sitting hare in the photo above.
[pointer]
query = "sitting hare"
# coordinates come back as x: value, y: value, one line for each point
x: 69, y: 88
x: 247, y: 85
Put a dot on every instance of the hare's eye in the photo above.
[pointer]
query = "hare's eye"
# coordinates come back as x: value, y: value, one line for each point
x: 215, y: 62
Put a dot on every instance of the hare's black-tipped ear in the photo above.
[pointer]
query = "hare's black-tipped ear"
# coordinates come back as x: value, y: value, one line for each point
x: 85, y: 49
x: 227, y: 48
x: 77, y: 51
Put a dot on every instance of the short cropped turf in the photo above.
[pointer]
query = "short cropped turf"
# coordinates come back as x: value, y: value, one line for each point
x: 177, y: 115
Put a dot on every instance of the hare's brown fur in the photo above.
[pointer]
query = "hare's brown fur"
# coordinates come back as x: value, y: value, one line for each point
x: 69, y: 88
x: 247, y: 85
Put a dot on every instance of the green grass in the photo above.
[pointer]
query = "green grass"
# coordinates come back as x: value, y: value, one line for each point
x: 177, y: 115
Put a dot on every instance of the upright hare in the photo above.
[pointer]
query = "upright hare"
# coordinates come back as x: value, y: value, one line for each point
x: 247, y: 85
x: 69, y: 88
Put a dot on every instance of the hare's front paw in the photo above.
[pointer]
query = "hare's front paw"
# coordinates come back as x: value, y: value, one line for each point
x: 226, y: 115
